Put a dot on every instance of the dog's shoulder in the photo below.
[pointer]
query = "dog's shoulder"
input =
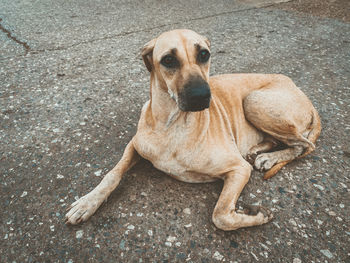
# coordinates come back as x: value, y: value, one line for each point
x: 229, y: 81
x: 226, y: 85
x: 241, y: 84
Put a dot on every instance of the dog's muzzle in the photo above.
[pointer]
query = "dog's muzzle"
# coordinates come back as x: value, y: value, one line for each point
x: 195, y: 96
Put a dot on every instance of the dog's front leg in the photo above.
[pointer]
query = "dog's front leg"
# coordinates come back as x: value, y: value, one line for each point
x: 225, y: 215
x: 86, y: 206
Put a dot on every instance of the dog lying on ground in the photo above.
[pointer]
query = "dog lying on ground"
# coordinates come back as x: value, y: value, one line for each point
x: 198, y: 128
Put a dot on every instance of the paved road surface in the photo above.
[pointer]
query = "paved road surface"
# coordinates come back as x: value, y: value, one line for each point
x: 72, y: 86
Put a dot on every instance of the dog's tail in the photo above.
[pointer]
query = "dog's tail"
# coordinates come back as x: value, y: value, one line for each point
x: 312, y: 137
x: 274, y: 169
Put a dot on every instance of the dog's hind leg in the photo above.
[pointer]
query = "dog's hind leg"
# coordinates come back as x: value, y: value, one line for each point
x: 265, y: 146
x: 282, y: 111
x: 86, y: 206
x: 265, y: 161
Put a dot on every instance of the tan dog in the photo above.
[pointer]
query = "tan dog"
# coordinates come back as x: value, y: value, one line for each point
x: 199, y: 129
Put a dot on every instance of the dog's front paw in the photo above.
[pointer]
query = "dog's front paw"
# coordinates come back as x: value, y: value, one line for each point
x: 264, y: 161
x: 82, y: 209
x: 249, y: 216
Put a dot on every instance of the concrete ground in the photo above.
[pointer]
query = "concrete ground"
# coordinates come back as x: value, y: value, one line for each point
x: 72, y: 86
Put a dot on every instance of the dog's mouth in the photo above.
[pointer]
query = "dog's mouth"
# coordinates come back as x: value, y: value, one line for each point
x: 195, y: 105
x: 195, y: 96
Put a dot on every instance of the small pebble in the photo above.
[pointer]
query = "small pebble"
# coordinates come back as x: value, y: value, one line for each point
x: 79, y: 234
x: 187, y: 211
x: 98, y: 173
x: 331, y: 213
x: 327, y: 253
x: 122, y: 244
x: 256, y: 258
x: 264, y: 246
x: 171, y: 239
x: 292, y: 221
x: 218, y: 256
x: 320, y: 187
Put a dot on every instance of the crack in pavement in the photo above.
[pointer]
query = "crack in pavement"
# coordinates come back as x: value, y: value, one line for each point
x: 10, y: 36
x: 125, y: 33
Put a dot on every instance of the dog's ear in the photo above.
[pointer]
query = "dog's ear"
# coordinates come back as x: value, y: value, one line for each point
x: 146, y: 53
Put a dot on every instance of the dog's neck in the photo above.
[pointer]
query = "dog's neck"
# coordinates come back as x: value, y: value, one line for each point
x: 162, y: 104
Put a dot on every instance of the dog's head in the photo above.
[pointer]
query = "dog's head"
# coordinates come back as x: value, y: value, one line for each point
x: 179, y: 60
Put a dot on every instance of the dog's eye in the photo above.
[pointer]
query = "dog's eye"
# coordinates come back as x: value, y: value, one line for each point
x: 169, y: 61
x: 203, y: 56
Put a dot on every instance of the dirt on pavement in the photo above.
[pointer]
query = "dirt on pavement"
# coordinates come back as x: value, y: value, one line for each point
x: 339, y: 9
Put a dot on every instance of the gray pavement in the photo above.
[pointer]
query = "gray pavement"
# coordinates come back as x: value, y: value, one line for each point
x: 72, y: 86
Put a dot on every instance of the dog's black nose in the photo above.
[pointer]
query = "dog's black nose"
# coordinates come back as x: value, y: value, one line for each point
x: 199, y: 93
x: 195, y: 95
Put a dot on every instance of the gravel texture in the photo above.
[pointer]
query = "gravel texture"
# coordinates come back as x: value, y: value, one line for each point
x: 72, y: 86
